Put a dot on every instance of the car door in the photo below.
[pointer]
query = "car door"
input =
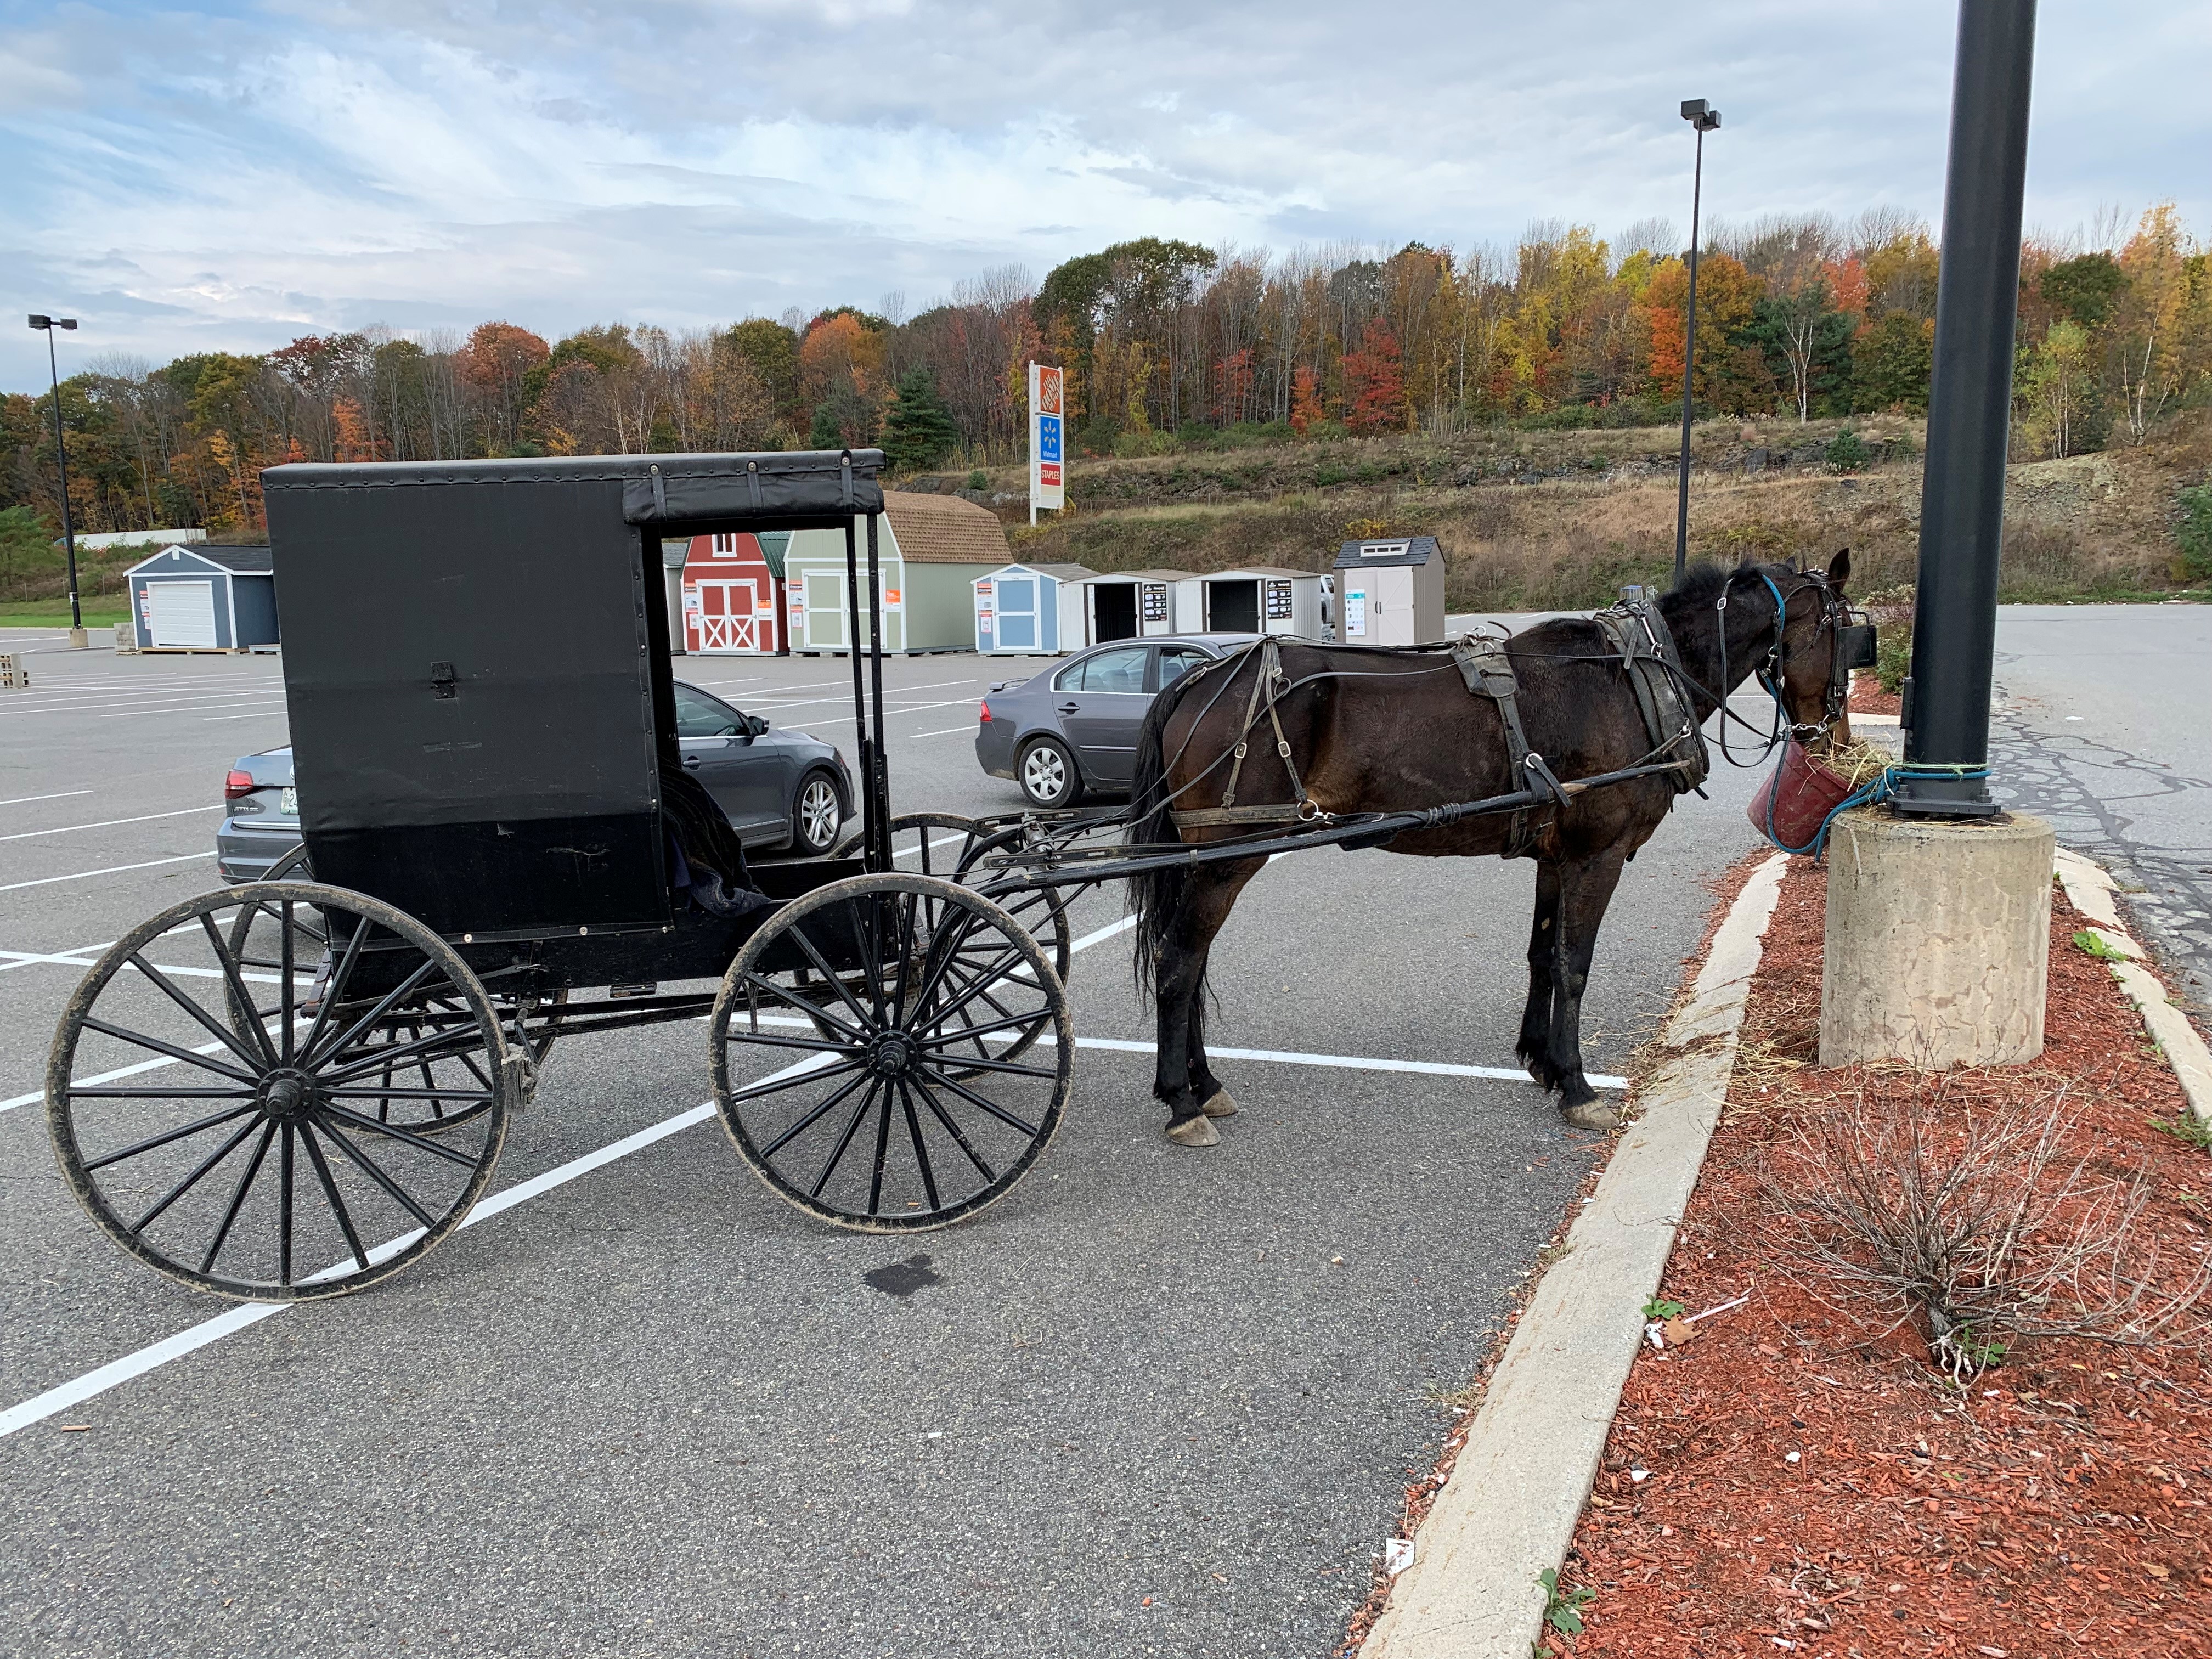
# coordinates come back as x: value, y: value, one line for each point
x: 717, y: 747
x: 1100, y: 701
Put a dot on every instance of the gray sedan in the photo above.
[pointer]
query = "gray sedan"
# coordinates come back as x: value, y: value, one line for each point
x: 783, y: 791
x: 1074, y: 727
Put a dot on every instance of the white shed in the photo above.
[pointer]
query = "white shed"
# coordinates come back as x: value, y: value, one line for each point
x: 1390, y: 592
x: 1260, y: 599
x: 1121, y: 605
x: 1021, y: 610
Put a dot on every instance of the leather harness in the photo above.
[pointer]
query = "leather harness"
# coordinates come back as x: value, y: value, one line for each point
x: 1639, y: 638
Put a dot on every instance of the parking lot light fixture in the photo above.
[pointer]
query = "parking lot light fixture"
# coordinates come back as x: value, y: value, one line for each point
x: 78, y: 640
x: 1702, y: 118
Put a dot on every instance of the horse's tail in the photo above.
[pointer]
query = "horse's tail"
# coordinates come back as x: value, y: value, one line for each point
x: 1157, y: 894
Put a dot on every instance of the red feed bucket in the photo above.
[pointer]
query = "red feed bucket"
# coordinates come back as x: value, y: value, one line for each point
x: 1795, y: 798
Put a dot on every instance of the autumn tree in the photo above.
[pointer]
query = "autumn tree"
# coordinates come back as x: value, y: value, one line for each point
x: 1375, y: 382
x: 495, y: 365
x: 1892, y: 362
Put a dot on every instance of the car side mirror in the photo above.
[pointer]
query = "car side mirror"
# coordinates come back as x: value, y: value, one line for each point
x: 756, y: 725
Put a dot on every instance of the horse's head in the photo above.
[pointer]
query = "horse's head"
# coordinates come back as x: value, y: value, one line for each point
x: 1809, y: 667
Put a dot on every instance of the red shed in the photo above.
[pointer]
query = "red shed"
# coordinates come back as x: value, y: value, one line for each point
x: 733, y: 595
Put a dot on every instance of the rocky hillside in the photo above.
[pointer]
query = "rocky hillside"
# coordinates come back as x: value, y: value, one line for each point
x: 1535, y: 520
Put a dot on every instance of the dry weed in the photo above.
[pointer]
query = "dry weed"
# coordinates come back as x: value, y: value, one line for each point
x: 1977, y: 1225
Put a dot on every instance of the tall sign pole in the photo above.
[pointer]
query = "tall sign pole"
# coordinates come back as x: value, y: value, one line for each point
x: 1047, y: 438
x: 1947, y: 699
x: 1705, y: 119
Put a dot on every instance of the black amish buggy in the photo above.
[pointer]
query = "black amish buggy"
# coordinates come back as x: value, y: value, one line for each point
x: 296, y: 1087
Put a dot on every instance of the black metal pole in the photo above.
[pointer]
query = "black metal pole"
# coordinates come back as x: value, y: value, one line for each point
x: 61, y: 460
x: 1947, y: 699
x: 878, y: 780
x: 860, y: 691
x: 1689, y: 361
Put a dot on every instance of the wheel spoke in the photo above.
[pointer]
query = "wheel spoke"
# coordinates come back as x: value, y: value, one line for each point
x: 139, y: 1039
x: 331, y: 1192
x: 284, y: 1208
x: 163, y: 1094
x: 978, y: 1032
x: 872, y: 957
x: 454, y: 1039
x: 812, y: 1117
x: 944, y: 951
x: 953, y: 1129
x: 798, y: 1002
x: 798, y: 933
x: 775, y: 1085
x: 191, y: 1180
x: 336, y: 988
x: 968, y: 1061
x: 992, y: 1107
x: 844, y: 1140
x: 238, y: 991
x: 238, y: 1197
x: 383, y: 1007
x: 882, y: 1148
x: 769, y: 1040
x: 396, y: 1132
x: 376, y: 1172
x: 921, y: 1152
x: 382, y: 1092
x: 983, y: 982
x: 284, y: 997
x: 163, y: 1140
x: 213, y: 1028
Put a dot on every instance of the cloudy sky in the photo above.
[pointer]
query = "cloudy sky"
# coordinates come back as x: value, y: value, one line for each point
x: 233, y: 173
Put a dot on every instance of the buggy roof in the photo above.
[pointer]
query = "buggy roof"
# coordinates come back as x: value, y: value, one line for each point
x: 773, y: 491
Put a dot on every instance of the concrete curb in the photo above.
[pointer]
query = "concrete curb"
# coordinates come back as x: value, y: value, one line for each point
x: 1509, y: 1508
x: 2090, y: 890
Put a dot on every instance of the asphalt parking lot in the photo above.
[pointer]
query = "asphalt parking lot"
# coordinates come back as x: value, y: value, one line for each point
x: 1158, y: 1401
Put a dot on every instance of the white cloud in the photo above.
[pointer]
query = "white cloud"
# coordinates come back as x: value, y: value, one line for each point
x: 238, y: 174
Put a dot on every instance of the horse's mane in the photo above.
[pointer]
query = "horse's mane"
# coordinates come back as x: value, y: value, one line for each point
x: 1702, y: 582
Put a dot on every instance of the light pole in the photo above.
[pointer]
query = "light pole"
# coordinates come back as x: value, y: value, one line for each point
x: 78, y: 640
x: 1704, y: 118
x: 1955, y: 624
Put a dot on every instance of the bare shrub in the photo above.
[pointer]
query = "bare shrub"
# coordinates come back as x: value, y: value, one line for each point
x: 1974, y: 1222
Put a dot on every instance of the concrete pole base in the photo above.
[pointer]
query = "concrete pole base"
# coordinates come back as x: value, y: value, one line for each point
x: 1938, y: 942
x: 80, y: 638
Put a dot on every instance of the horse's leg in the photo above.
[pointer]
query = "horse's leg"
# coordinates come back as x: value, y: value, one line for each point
x: 1213, y: 1099
x: 1186, y: 940
x: 1586, y: 888
x: 1535, y: 1045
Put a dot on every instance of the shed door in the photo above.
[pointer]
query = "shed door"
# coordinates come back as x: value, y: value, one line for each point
x: 725, y: 618
x: 182, y: 613
x: 1017, y: 613
x: 1233, y: 607
x: 825, y: 609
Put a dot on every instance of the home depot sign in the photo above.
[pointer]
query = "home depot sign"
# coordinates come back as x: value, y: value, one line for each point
x: 1047, y: 438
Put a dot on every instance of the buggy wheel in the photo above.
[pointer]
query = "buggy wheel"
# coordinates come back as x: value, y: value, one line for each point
x: 872, y: 1110
x: 284, y: 1159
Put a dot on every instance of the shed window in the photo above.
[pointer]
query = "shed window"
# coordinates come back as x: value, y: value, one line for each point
x: 725, y: 547
x: 1384, y: 549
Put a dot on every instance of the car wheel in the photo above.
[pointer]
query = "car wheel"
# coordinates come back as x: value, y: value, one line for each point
x: 1047, y: 773
x: 815, y: 815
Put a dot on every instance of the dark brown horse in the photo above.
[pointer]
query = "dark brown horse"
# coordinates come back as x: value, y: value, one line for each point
x: 1382, y: 732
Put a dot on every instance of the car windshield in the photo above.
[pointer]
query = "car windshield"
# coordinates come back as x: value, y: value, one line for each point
x: 1110, y: 671
x: 698, y: 715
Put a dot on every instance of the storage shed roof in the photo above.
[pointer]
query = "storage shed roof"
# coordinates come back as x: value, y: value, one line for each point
x: 945, y: 530
x: 1142, y: 576
x: 1402, y: 550
x: 1064, y: 573
x: 1266, y: 570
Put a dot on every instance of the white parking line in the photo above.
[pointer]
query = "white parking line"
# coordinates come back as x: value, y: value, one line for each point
x: 60, y: 795
x: 111, y: 870
x: 258, y: 714
x: 946, y: 732
x: 196, y: 706
x: 109, y: 823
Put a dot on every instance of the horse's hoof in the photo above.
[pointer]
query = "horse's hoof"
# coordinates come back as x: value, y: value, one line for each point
x: 1592, y: 1115
x: 1194, y: 1132
x: 1218, y: 1104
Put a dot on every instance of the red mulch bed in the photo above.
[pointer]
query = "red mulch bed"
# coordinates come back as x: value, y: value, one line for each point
x: 1868, y: 698
x: 2057, y: 1506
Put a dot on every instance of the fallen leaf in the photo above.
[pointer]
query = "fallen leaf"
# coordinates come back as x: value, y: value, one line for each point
x: 1677, y: 1332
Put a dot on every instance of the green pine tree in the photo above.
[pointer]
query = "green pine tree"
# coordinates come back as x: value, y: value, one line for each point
x: 918, y: 429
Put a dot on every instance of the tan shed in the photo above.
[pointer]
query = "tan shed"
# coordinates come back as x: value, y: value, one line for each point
x: 1390, y: 592
x: 930, y: 551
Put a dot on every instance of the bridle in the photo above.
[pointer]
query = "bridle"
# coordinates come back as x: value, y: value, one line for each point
x: 1852, y: 646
